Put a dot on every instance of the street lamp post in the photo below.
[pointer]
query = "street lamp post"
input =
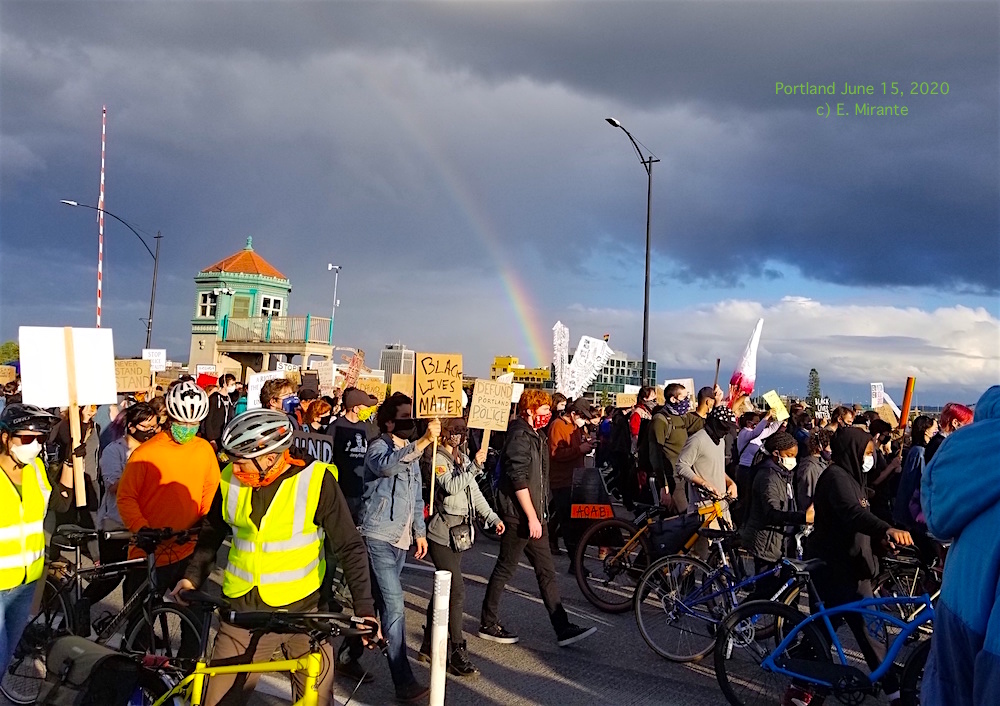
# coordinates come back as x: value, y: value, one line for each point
x: 647, y: 163
x: 336, y: 302
x: 155, y: 256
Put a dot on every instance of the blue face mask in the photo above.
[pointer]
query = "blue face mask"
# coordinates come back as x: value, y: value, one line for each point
x: 290, y: 403
x: 680, y: 408
x: 182, y: 433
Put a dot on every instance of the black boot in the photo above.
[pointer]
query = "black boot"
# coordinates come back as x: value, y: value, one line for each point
x: 459, y: 664
x: 424, y: 655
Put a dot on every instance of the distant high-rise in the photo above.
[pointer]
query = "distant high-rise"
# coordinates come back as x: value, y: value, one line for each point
x: 396, y: 358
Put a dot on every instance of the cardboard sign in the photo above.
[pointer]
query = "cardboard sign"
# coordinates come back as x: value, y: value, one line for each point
x: 44, y: 366
x: 622, y: 400
x: 132, y: 375
x: 688, y: 384
x: 438, y: 385
x: 373, y: 386
x: 286, y: 366
x: 354, y: 369
x: 878, y: 395
x: 8, y: 373
x: 490, y: 405
x: 204, y: 369
x: 157, y: 358
x: 775, y: 403
x: 402, y: 383
x: 319, y: 446
x: 255, y: 383
x: 325, y: 372
x: 886, y: 414
x: 660, y: 398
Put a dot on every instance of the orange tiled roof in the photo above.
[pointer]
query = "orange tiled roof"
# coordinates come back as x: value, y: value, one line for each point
x: 246, y: 261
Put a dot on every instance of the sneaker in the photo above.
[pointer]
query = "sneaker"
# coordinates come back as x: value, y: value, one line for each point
x: 411, y: 692
x: 573, y: 633
x: 353, y: 671
x: 797, y: 696
x: 459, y: 664
x: 424, y: 653
x: 496, y: 633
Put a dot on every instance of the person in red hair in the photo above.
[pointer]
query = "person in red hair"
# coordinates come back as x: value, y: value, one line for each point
x: 522, y: 505
x: 953, y: 417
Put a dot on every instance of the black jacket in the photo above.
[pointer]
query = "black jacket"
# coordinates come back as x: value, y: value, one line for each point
x: 220, y: 412
x: 332, y: 514
x: 772, y: 508
x: 524, y: 463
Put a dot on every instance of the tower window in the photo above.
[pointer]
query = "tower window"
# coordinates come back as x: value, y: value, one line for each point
x: 207, y: 305
x: 270, y: 306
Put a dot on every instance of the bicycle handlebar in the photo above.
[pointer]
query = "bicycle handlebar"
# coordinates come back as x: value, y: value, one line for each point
x: 149, y: 537
x: 333, y: 624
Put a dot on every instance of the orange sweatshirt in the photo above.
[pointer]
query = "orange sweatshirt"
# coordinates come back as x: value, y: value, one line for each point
x: 166, y: 484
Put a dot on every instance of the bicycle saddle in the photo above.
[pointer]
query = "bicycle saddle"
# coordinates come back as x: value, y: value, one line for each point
x: 717, y: 534
x: 76, y: 535
x: 806, y: 567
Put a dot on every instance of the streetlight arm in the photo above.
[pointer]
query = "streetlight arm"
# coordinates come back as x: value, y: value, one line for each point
x: 109, y: 213
x: 647, y: 161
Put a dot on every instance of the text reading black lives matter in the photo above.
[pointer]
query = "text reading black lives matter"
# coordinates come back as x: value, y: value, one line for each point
x: 882, y: 99
x: 439, y: 386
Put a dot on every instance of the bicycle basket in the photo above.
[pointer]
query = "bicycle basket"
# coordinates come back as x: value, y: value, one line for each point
x: 83, y: 673
x: 670, y: 535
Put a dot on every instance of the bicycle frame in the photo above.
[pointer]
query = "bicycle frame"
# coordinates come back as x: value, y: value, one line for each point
x: 709, y: 514
x: 864, y: 608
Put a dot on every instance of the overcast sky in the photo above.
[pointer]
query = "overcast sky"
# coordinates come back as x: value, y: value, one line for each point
x: 454, y: 159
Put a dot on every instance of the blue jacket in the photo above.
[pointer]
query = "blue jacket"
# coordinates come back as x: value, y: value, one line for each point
x: 960, y: 494
x: 909, y: 481
x: 393, y: 489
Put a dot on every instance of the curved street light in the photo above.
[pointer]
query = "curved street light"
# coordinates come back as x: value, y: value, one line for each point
x: 647, y: 163
x: 156, y: 257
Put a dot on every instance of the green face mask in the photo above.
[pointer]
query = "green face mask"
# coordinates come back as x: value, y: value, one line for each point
x: 183, y: 433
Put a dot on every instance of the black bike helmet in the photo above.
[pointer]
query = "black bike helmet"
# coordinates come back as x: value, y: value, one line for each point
x: 26, y: 417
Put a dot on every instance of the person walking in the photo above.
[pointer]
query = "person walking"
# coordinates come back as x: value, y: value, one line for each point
x: 277, y: 508
x: 567, y: 447
x: 26, y: 496
x: 221, y: 409
x: 457, y: 503
x: 523, y: 502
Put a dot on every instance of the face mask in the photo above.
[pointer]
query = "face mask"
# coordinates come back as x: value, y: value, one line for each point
x: 541, y: 420
x: 404, y: 428
x: 289, y: 404
x: 826, y: 455
x: 581, y: 423
x: 455, y: 440
x: 869, y: 463
x: 324, y: 421
x: 182, y: 433
x: 26, y: 453
x: 231, y: 389
x: 681, y: 407
x: 142, y: 435
x: 788, y: 462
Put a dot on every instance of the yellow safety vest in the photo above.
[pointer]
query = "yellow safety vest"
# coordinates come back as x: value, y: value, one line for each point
x: 283, y: 558
x: 22, y: 541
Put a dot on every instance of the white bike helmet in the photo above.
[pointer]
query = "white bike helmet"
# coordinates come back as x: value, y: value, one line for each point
x: 187, y: 403
x: 257, y: 433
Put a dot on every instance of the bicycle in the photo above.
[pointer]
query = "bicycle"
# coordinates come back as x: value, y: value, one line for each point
x: 144, y: 622
x: 681, y: 600
x: 612, y: 554
x: 765, y: 646
x: 185, y: 679
x: 905, y: 575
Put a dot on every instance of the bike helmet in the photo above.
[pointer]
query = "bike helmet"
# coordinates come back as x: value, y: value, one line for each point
x: 187, y: 403
x: 26, y: 417
x: 257, y: 433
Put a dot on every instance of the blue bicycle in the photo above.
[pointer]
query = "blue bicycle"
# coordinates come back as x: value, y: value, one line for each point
x: 765, y: 649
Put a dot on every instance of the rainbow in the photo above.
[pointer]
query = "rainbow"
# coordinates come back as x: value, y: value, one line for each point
x: 532, y: 330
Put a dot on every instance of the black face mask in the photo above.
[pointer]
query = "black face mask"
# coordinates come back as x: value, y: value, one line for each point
x: 324, y: 421
x: 404, y: 428
x: 142, y: 436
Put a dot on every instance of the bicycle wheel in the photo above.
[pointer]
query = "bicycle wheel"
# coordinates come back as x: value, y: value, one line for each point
x: 913, y: 674
x: 675, y: 608
x: 747, y: 636
x: 170, y: 631
x: 610, y: 559
x: 26, y: 671
x: 905, y: 581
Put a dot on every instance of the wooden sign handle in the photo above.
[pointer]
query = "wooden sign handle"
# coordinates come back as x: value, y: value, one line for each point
x: 718, y: 362
x: 74, y: 419
x: 434, y: 455
x: 486, y: 440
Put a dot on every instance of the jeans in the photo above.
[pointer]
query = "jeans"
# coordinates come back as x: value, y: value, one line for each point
x: 386, y: 565
x: 446, y: 559
x: 15, y: 610
x: 560, y: 507
x: 512, y: 546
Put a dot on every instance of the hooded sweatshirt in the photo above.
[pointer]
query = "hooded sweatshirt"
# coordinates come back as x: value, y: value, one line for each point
x: 960, y: 494
x: 844, y: 523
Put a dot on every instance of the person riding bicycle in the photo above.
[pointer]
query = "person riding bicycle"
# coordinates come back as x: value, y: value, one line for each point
x: 25, y: 498
x: 169, y: 482
x: 278, y: 509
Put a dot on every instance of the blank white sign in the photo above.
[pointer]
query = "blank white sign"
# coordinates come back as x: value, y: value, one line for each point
x: 44, y: 379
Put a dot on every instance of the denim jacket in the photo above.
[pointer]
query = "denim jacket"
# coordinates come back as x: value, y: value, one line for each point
x: 392, y: 489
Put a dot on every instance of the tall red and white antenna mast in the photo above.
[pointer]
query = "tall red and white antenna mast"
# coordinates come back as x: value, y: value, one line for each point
x: 100, y: 216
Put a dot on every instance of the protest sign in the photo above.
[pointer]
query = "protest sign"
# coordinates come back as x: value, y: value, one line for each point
x: 588, y: 361
x: 325, y: 374
x: 560, y: 355
x: 438, y: 385
x: 131, y: 375
x: 624, y: 400
x: 589, y: 499
x: 822, y: 406
x: 204, y: 369
x: 310, y: 381
x: 506, y: 377
x: 490, y: 408
x: 517, y: 390
x: 157, y: 358
x: 775, y: 403
x: 402, y: 383
x: 255, y: 382
x: 8, y: 373
x: 878, y: 395
x: 886, y: 414
x: 373, y: 386
x: 286, y: 366
x: 660, y: 398
x: 68, y: 367
x: 354, y: 369
x: 319, y: 446
x: 204, y: 381
x: 688, y: 384
x: 895, y: 408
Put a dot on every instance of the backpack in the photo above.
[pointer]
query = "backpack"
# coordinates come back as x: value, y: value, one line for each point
x: 83, y: 673
x: 621, y: 435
